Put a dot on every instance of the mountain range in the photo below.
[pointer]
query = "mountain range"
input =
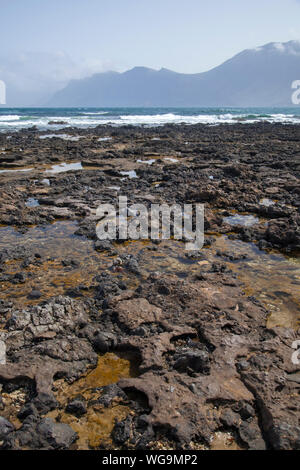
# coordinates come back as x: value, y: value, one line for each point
x: 255, y: 77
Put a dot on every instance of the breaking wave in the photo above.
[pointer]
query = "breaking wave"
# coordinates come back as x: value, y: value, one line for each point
x: 15, y: 119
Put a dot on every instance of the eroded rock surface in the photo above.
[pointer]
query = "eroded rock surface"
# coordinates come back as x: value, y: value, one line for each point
x: 203, y: 361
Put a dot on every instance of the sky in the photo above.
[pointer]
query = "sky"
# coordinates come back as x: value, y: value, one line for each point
x: 56, y: 40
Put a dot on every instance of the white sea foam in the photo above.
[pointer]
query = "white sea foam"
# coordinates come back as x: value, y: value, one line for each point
x: 9, y: 118
x: 10, y: 122
x: 100, y: 113
x: 212, y: 119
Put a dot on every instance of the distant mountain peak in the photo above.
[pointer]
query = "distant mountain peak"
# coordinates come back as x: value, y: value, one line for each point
x: 290, y: 47
x: 255, y: 77
x: 139, y: 69
x: 164, y: 69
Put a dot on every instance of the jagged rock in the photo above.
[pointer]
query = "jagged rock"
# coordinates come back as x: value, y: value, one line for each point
x: 135, y: 312
x: 76, y: 407
x: 110, y: 393
x: 57, y: 435
x: 121, y: 431
x: 5, y: 427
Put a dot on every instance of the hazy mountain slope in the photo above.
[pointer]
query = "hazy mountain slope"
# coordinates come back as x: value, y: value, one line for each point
x: 255, y: 77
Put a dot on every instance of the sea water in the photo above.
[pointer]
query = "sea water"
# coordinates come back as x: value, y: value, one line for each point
x: 19, y: 118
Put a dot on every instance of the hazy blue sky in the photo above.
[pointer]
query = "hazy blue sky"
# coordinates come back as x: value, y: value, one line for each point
x: 183, y: 35
x: 46, y: 43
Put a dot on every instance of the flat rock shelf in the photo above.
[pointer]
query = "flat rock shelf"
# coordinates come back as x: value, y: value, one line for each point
x: 143, y: 344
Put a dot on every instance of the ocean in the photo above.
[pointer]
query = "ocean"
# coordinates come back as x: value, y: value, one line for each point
x: 12, y: 119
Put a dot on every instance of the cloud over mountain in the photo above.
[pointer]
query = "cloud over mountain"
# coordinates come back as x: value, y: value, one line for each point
x: 32, y: 78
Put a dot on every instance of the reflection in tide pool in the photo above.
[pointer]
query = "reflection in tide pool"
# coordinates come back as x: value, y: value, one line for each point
x: 71, y: 138
x: 148, y: 162
x: 32, y: 202
x: 272, y: 278
x: 238, y: 219
x: 60, y: 261
x: 131, y: 174
x: 16, y: 170
x: 95, y: 426
x: 62, y: 167
x: 266, y: 202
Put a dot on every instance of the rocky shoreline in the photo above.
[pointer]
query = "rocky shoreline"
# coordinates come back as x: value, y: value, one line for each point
x: 142, y: 345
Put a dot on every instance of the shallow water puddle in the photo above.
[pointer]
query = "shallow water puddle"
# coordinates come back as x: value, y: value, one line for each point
x: 114, y: 188
x: 239, y: 219
x: 109, y: 370
x: 61, y: 136
x: 63, y: 167
x: 131, y: 174
x: 94, y: 427
x: 148, y: 162
x: 64, y: 261
x: 32, y: 202
x: 17, y: 170
x: 266, y: 202
x: 224, y: 441
x: 272, y: 278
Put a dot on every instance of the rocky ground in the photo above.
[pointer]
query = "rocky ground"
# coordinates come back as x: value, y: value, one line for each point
x: 141, y: 345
